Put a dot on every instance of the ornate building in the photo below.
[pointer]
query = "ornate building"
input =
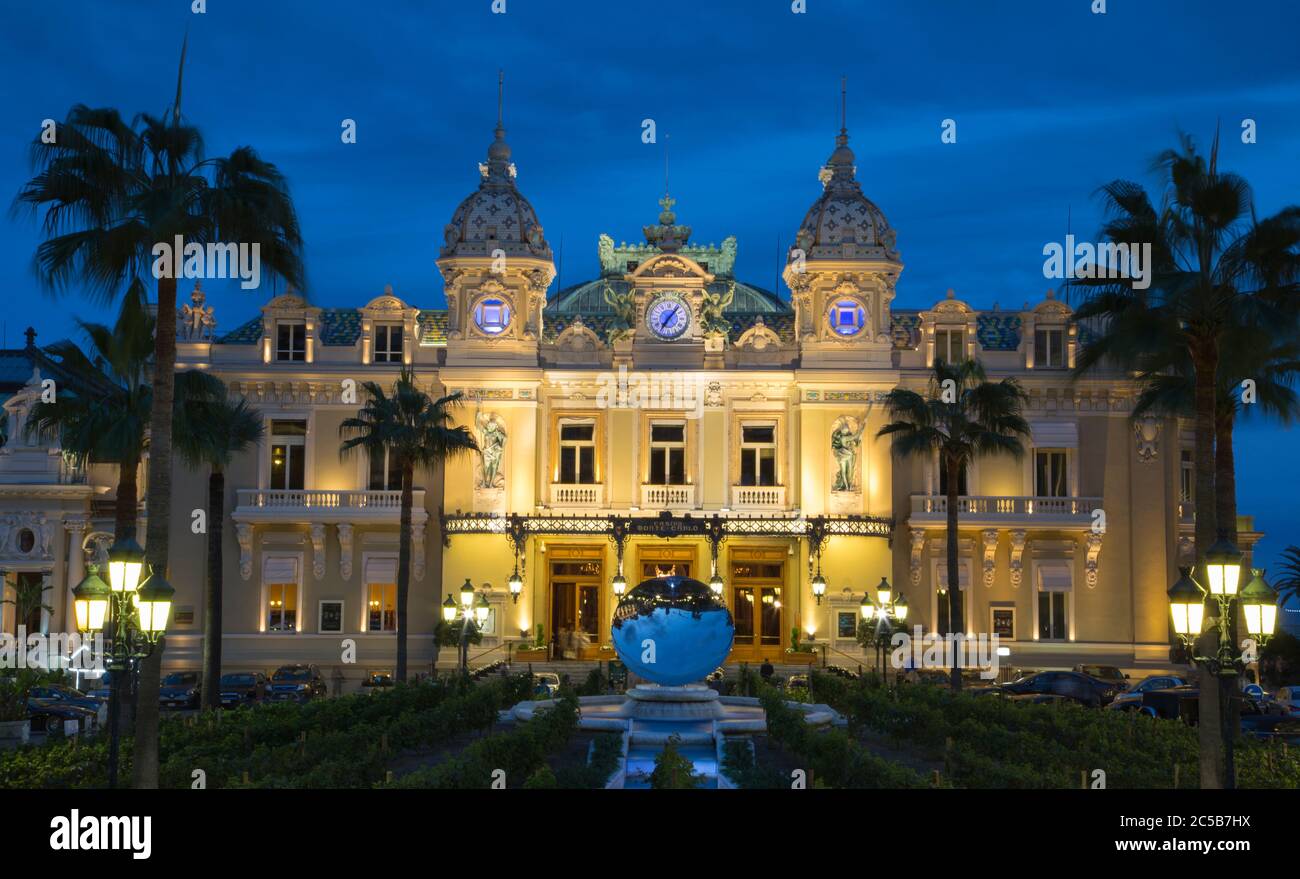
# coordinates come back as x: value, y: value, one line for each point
x: 669, y: 417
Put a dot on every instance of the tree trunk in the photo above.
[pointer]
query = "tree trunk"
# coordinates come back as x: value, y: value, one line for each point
x: 127, y: 499
x: 1205, y: 360
x: 1225, y: 474
x: 145, y: 768
x: 125, y: 510
x: 955, y: 622
x: 404, y: 569
x: 212, y: 609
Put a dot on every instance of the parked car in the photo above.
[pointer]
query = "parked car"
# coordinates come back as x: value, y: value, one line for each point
x: 99, y: 689
x: 1046, y: 686
x: 50, y: 715
x: 242, y: 688
x: 65, y: 694
x: 297, y: 682
x: 1289, y: 698
x: 1131, y: 699
x: 180, y: 689
x: 545, y: 684
x: 1108, y: 673
x: 1261, y: 718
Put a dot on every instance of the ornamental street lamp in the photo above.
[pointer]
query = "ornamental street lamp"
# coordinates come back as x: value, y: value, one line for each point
x: 818, y: 583
x: 134, y: 614
x: 473, y: 611
x: 886, y: 611
x: 516, y: 584
x: 1187, y: 600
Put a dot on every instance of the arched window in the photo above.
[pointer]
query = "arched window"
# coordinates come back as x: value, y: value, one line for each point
x: 847, y: 317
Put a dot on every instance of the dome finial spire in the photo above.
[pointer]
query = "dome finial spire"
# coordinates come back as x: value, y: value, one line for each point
x: 498, y: 168
x: 501, y: 87
x: 844, y: 106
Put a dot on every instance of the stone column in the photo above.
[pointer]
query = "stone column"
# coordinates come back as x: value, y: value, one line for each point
x: 76, y: 530
x: 47, y: 585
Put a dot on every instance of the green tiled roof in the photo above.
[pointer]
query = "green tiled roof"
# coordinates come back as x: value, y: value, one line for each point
x: 588, y: 298
x: 433, y: 327
x: 340, y: 326
x: 245, y: 334
x: 905, y: 327
x: 998, y: 332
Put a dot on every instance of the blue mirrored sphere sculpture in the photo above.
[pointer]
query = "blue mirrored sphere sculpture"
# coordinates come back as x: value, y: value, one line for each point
x: 672, y: 630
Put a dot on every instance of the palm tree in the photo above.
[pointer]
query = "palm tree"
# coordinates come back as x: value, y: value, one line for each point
x: 1288, y: 585
x: 1248, y: 353
x: 104, y: 415
x: 110, y: 191
x: 210, y: 433
x: 1214, y: 267
x: 416, y: 431
x: 961, y: 416
x: 29, y: 599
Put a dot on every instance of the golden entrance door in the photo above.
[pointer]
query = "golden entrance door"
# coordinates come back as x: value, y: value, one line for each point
x: 575, y: 608
x: 757, y: 604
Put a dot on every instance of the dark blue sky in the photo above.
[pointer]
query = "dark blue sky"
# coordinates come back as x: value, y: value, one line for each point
x: 1050, y: 102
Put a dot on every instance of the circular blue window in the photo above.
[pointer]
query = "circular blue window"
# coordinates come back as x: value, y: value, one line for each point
x: 492, y: 316
x: 847, y: 317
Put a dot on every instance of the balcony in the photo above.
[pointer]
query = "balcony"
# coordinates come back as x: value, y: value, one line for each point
x: 668, y: 497
x: 758, y: 497
x: 1071, y: 513
x: 577, y: 494
x: 266, y: 505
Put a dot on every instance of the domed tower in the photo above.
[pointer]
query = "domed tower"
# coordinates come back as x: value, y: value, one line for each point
x: 842, y: 269
x: 496, y: 266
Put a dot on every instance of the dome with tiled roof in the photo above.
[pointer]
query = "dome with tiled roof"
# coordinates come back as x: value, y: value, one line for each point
x: 843, y: 223
x: 497, y: 216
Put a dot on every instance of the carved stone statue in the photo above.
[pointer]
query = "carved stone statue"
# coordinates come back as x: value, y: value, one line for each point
x: 197, y: 320
x: 624, y: 305
x: 711, y: 307
x: 492, y: 443
x: 845, y: 441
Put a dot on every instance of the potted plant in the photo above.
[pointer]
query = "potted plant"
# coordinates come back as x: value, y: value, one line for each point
x: 799, y: 653
x: 14, y: 723
x: 535, y: 652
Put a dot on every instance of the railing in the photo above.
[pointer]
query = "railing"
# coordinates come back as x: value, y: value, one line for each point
x: 1007, y: 507
x: 668, y: 497
x: 574, y: 495
x: 758, y: 497
x: 288, y: 503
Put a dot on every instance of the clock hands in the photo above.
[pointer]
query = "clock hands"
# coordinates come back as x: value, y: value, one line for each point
x: 663, y: 324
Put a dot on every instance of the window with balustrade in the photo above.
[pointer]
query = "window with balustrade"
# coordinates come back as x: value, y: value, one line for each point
x: 667, y: 453
x: 288, y: 454
x: 577, y: 452
x: 1051, y: 473
x: 758, y: 453
x: 384, y: 474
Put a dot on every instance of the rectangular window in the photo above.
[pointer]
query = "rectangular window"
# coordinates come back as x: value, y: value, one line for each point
x: 577, y: 454
x: 385, y: 475
x: 1050, y: 477
x: 381, y: 607
x: 288, y: 454
x: 1049, y: 348
x: 1187, y: 477
x: 1051, y: 616
x: 282, y: 607
x: 388, y: 343
x: 943, y: 480
x: 949, y: 345
x: 291, y: 341
x: 758, y: 454
x: 667, y: 454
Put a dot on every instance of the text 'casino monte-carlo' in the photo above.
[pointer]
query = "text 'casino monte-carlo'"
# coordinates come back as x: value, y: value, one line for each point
x: 664, y: 417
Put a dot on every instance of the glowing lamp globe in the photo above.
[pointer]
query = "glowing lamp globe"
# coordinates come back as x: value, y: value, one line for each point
x: 672, y: 630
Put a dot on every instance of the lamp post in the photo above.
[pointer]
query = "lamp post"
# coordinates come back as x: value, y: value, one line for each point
x: 885, y: 611
x: 1187, y: 609
x: 133, y: 613
x: 473, y: 610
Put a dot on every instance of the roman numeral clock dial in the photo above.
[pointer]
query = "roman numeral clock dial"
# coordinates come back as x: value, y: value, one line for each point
x: 668, y: 317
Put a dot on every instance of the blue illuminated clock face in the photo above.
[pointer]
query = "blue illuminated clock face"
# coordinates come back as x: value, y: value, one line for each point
x: 668, y: 317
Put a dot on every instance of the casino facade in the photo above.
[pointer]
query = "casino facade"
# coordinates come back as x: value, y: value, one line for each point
x: 664, y: 417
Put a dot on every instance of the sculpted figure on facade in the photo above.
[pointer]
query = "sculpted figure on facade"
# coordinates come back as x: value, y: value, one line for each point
x: 492, y: 444
x: 846, y: 439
